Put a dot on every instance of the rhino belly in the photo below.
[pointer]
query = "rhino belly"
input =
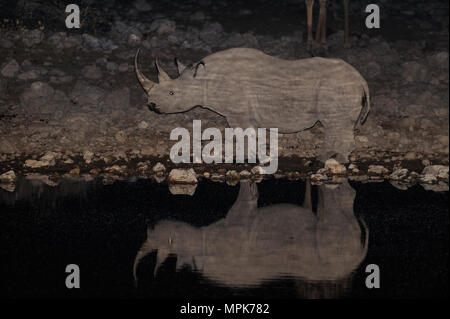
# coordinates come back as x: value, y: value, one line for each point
x: 290, y: 111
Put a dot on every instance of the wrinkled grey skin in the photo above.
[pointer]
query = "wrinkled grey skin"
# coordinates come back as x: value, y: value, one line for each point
x: 252, y: 89
x: 254, y: 244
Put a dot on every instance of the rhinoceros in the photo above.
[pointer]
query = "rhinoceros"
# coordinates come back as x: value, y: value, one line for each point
x: 254, y: 90
x: 254, y: 244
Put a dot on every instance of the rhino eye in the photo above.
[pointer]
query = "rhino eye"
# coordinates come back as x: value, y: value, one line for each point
x: 171, y: 93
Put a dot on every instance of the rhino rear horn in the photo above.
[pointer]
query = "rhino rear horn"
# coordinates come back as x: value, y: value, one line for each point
x: 161, y: 256
x: 162, y: 75
x: 145, y: 82
x: 180, y: 66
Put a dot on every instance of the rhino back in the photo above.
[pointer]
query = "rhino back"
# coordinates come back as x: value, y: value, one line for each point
x: 264, y: 91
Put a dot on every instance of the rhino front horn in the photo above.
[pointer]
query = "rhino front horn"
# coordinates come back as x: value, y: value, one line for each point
x: 145, y: 249
x: 145, y: 82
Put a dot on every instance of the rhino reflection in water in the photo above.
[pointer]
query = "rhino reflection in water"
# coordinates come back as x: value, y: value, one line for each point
x: 255, y: 244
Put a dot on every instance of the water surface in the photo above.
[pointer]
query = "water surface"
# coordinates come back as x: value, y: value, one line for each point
x: 269, y: 240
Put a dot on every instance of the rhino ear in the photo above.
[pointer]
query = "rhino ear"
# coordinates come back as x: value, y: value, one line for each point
x: 199, y: 68
x: 180, y: 66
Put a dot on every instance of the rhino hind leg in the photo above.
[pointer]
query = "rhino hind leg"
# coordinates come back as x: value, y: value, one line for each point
x: 339, y: 140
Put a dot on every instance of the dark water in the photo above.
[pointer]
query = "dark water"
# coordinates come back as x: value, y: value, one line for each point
x: 249, y: 240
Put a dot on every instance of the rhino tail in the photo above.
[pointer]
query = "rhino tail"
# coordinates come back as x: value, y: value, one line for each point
x: 365, y: 104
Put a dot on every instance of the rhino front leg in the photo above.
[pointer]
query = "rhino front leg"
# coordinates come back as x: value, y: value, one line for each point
x: 339, y: 140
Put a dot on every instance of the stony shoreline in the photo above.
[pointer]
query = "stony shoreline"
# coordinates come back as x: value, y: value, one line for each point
x: 52, y: 169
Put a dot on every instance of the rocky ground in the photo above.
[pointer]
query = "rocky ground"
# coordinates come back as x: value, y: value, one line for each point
x: 70, y: 104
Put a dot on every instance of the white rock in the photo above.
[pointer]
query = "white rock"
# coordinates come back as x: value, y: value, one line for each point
x: 158, y: 168
x: 439, y: 187
x: 216, y: 177
x: 143, y: 125
x: 319, y: 177
x: 87, y: 156
x: 49, y: 157
x: 116, y: 169
x: 398, y: 174
x: 232, y: 175
x: 428, y: 179
x: 334, y: 167
x: 377, y: 169
x: 8, y: 177
x: 440, y: 171
x: 182, y: 176
x: 35, y: 164
x: 245, y: 174
x: 257, y: 170
x: 9, y: 187
x: 443, y: 173
x: 410, y: 156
